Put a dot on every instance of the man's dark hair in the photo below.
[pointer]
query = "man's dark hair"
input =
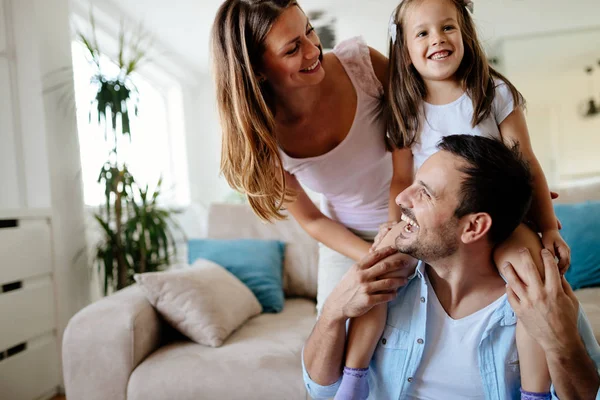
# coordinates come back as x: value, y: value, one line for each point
x: 498, y: 182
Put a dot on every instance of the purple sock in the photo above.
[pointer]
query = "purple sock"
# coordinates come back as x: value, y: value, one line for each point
x: 535, y: 396
x: 355, y: 385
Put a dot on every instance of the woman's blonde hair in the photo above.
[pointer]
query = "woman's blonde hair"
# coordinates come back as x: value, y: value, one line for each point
x: 250, y: 160
x: 406, y: 89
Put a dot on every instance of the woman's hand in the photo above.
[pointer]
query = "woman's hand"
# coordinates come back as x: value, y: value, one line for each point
x: 383, y: 230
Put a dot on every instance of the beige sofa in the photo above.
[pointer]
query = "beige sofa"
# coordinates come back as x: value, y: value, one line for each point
x: 119, y: 348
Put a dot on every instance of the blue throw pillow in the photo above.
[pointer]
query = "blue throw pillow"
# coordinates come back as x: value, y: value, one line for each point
x: 257, y: 263
x: 581, y: 231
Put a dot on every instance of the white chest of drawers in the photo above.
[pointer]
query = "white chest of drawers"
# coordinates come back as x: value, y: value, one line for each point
x: 29, y: 355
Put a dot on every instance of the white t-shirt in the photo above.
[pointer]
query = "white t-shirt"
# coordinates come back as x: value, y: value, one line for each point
x: 455, y: 119
x: 449, y: 368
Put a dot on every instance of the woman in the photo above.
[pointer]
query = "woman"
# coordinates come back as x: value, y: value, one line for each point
x: 292, y: 115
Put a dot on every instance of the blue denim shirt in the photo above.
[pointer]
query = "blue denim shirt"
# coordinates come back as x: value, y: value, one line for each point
x: 400, y: 349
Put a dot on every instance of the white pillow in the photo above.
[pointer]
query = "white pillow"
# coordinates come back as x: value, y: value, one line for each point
x: 206, y: 302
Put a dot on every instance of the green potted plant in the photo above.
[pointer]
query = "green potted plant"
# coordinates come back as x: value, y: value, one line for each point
x: 137, y: 233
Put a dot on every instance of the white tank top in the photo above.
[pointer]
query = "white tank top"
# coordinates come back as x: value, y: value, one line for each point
x: 353, y: 178
x: 449, y: 368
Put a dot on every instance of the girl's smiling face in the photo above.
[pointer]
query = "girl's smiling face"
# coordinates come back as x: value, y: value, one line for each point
x: 433, y: 38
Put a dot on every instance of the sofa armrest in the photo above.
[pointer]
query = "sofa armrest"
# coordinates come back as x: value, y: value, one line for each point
x: 105, y: 341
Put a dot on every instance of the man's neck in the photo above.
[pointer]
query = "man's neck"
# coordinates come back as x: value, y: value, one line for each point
x: 466, y: 282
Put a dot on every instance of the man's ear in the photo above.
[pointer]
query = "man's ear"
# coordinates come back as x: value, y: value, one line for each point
x: 475, y: 227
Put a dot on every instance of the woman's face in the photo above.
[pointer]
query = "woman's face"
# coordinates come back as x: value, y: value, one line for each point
x: 292, y: 57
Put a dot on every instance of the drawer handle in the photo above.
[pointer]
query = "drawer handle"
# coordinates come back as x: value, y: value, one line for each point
x: 8, y: 223
x: 21, y: 347
x: 16, y: 349
x: 9, y: 287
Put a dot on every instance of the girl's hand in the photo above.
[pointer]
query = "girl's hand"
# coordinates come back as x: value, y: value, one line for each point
x: 383, y: 230
x: 552, y: 241
x: 554, y: 196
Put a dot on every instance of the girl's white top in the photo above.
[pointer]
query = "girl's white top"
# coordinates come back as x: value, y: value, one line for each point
x: 455, y: 119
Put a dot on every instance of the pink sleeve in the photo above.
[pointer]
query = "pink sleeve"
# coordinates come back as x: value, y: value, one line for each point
x: 355, y: 58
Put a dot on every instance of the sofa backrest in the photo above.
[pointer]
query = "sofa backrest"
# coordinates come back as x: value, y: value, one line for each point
x: 237, y: 221
x: 579, y: 193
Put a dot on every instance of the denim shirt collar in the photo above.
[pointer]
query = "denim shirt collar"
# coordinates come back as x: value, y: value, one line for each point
x: 504, y: 315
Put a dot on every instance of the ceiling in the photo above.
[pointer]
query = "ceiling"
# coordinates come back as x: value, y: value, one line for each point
x: 182, y: 27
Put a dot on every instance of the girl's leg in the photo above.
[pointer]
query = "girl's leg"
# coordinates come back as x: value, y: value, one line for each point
x: 535, y: 378
x: 363, y: 334
x: 331, y: 269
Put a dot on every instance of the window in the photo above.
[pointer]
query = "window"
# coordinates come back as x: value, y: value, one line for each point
x: 157, y: 146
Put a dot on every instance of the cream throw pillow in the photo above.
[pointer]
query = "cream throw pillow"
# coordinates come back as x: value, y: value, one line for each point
x: 205, y: 302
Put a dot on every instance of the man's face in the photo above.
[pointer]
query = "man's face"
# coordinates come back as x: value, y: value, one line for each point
x: 431, y: 230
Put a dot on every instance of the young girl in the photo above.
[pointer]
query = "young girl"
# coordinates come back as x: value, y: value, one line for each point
x: 440, y: 83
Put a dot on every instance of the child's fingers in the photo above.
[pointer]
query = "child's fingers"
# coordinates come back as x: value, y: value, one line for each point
x: 551, y: 271
x: 549, y: 245
x: 564, y: 255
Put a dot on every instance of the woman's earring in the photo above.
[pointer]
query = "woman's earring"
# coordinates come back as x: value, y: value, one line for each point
x: 262, y: 79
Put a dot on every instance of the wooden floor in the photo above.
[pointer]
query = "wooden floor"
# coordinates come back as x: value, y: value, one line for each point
x: 59, y: 397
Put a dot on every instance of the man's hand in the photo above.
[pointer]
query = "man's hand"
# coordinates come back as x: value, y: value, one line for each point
x: 548, y: 310
x: 373, y: 280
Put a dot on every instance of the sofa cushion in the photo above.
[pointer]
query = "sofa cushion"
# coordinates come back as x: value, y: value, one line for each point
x: 581, y: 231
x: 590, y: 302
x: 205, y: 303
x: 257, y: 263
x: 260, y: 361
x: 233, y: 221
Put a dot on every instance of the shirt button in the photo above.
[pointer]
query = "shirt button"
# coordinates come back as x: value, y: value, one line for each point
x: 422, y: 299
x: 383, y: 341
x: 410, y: 379
x: 420, y: 341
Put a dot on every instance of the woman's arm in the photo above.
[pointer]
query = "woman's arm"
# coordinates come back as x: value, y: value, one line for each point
x: 402, y: 160
x: 514, y: 129
x: 323, y: 229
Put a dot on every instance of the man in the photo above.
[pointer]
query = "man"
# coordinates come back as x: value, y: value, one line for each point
x: 450, y: 331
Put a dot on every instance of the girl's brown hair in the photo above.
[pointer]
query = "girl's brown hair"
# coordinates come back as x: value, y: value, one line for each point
x: 250, y: 160
x: 406, y: 89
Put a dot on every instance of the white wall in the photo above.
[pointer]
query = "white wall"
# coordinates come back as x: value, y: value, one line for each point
x: 549, y: 71
x: 203, y: 142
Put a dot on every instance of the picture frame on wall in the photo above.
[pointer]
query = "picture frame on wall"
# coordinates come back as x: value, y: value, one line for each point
x: 324, y: 24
